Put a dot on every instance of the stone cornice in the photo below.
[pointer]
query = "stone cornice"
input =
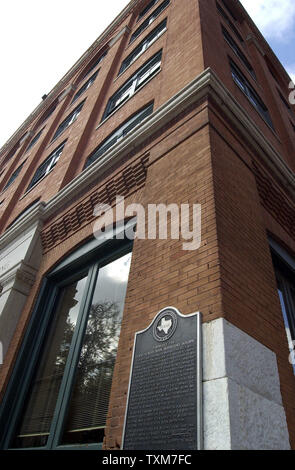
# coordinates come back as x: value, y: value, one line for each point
x: 205, y: 84
x: 33, y: 218
x: 21, y: 272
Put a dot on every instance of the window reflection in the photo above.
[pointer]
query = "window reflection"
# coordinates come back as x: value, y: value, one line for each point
x: 89, y: 404
x: 39, y: 410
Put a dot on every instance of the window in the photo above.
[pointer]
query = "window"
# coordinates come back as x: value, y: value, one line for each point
x: 147, y: 9
x: 238, y: 52
x: 34, y: 140
x: 85, y: 87
x: 229, y: 22
x: 23, y: 212
x: 149, y: 20
x: 13, y: 176
x: 64, y: 402
x: 285, y: 275
x: 229, y: 11
x: 11, y: 153
x: 120, y: 133
x: 68, y: 121
x: 46, y: 166
x: 143, y: 46
x: 137, y: 80
x: 94, y: 64
x: 48, y: 113
x: 251, y: 94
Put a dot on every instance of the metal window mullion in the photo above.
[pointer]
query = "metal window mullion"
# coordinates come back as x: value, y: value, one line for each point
x: 290, y: 307
x: 63, y: 400
x: 30, y: 369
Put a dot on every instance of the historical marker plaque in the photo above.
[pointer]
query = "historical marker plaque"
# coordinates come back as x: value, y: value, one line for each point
x: 164, y: 407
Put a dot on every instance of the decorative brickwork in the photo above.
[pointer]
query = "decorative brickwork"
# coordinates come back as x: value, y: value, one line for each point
x: 131, y: 178
x: 274, y: 201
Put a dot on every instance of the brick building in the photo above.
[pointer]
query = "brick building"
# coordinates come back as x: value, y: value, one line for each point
x: 176, y: 102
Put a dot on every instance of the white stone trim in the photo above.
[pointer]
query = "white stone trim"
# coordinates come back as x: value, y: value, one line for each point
x: 20, y: 257
x: 205, y: 84
x: 242, y: 403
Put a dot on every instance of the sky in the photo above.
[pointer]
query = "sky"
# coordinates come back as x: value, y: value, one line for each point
x: 40, y: 41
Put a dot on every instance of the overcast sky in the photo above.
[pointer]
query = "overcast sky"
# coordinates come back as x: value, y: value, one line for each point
x: 40, y: 41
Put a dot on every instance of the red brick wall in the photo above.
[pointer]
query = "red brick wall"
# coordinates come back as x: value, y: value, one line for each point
x: 197, y: 158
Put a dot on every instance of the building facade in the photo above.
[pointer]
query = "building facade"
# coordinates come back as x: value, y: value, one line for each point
x: 177, y: 102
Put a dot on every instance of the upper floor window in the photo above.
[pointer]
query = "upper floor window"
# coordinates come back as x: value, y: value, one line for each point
x: 229, y: 22
x: 149, y: 20
x: 85, y: 87
x: 48, y: 113
x: 13, y: 177
x: 148, y: 70
x: 24, y: 212
x: 251, y: 94
x: 143, y: 46
x: 120, y: 133
x: 46, y: 166
x: 229, y: 10
x: 147, y: 9
x: 34, y: 140
x: 11, y: 153
x: 238, y: 52
x: 69, y: 120
x: 94, y: 64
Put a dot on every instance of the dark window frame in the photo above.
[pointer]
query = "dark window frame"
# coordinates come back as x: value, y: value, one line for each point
x: 93, y: 64
x: 284, y: 269
x: 13, y: 177
x: 147, y: 8
x: 69, y: 120
x: 144, y: 45
x: 149, y: 20
x: 229, y: 10
x: 46, y: 166
x: 10, y: 154
x: 119, y: 133
x: 92, y: 256
x: 137, y: 80
x: 238, y: 52
x: 229, y: 22
x: 34, y: 140
x: 24, y: 211
x: 245, y: 86
x: 85, y: 87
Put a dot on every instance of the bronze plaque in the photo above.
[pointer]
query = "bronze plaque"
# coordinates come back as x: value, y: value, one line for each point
x: 164, y: 407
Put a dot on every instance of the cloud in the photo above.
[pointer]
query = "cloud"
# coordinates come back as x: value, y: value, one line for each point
x: 275, y: 18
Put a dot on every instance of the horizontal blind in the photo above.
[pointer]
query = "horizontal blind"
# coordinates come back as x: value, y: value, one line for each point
x: 91, y: 392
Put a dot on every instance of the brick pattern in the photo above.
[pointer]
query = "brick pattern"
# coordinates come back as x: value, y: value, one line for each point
x: 274, y: 201
x: 188, y: 161
x: 132, y: 177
